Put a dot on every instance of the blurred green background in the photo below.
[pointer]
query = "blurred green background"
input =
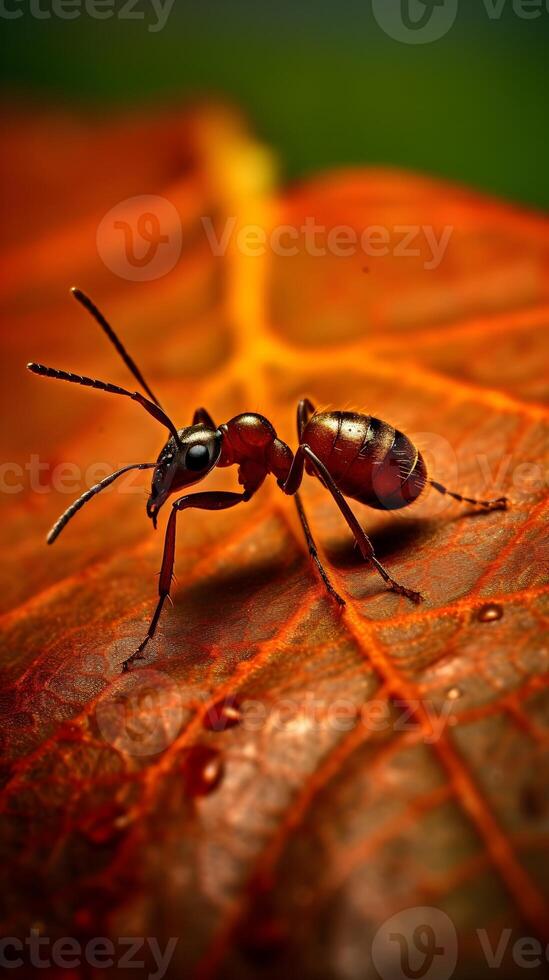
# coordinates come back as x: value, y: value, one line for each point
x: 320, y: 79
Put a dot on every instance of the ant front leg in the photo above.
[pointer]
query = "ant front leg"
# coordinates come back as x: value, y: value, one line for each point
x: 291, y: 486
x: 212, y: 500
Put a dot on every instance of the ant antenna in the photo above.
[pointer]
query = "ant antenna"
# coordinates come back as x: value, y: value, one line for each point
x: 151, y: 404
x: 79, y: 379
x: 88, y: 305
x: 88, y: 494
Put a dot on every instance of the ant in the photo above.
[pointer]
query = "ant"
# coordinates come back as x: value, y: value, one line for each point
x: 352, y: 455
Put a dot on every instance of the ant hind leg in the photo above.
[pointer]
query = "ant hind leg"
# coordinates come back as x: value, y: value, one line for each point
x: 501, y: 503
x: 291, y: 486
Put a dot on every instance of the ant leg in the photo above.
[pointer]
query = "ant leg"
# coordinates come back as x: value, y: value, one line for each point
x: 211, y: 500
x: 313, y: 552
x: 291, y: 486
x: 204, y: 417
x: 304, y: 410
x: 500, y: 504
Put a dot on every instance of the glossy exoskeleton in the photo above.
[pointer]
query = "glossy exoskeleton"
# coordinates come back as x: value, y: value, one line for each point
x: 354, y: 456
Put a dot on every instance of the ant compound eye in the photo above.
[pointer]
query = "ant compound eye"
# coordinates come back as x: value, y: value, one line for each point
x: 197, y: 457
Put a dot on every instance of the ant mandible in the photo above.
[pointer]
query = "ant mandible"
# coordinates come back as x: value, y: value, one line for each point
x: 352, y: 455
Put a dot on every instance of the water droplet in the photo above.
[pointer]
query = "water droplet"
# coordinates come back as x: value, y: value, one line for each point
x: 454, y: 693
x: 222, y: 715
x: 490, y: 612
x: 202, y: 770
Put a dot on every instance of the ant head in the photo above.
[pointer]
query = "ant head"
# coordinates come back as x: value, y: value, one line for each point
x: 182, y: 464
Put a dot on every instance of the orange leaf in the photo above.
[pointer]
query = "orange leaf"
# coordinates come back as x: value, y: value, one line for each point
x: 276, y: 780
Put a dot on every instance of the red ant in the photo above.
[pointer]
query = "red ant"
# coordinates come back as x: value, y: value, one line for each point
x: 352, y: 455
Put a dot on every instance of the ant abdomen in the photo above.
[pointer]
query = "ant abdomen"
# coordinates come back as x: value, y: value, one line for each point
x: 369, y: 460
